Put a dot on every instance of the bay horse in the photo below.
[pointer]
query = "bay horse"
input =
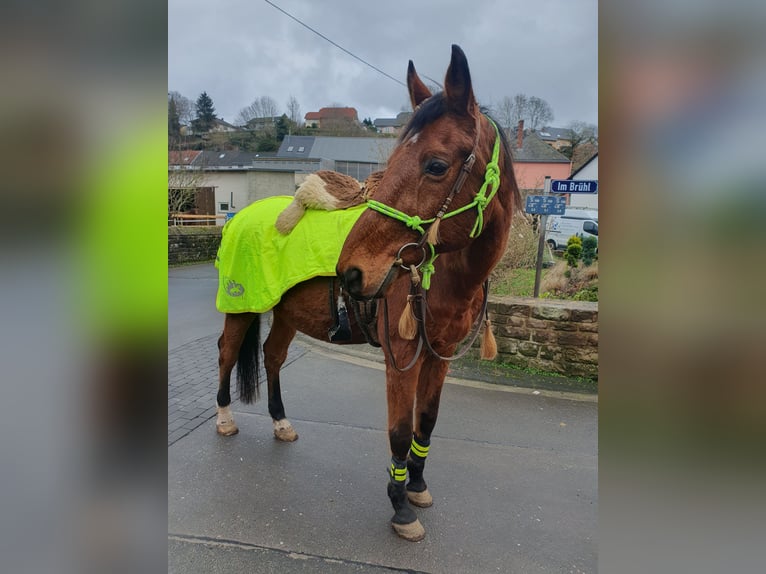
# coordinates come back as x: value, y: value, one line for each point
x: 425, y: 247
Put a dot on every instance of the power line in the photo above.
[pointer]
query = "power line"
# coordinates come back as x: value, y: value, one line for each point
x: 334, y: 44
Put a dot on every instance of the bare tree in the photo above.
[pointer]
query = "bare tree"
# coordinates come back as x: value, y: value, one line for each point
x: 505, y: 112
x: 583, y: 143
x: 539, y: 113
x: 294, y: 111
x: 184, y: 107
x: 263, y: 107
x: 184, y: 180
x: 535, y: 111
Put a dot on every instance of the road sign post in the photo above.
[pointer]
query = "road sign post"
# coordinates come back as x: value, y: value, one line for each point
x: 541, y: 242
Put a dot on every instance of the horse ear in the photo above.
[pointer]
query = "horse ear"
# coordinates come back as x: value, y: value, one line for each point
x: 418, y: 90
x: 457, y: 84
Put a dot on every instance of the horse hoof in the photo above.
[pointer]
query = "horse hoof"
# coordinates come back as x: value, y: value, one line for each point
x: 414, y: 531
x: 284, y: 431
x: 224, y: 424
x: 421, y: 499
x: 226, y: 429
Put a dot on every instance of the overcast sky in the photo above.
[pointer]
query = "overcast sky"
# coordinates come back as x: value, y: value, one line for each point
x: 238, y: 50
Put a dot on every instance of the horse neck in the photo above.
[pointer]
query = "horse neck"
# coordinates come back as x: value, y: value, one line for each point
x: 472, y: 265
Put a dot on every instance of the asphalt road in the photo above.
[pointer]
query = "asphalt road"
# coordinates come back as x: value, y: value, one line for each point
x: 513, y: 474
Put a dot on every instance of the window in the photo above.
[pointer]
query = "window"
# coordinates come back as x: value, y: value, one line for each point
x: 290, y: 148
x: 300, y: 149
x: 223, y: 206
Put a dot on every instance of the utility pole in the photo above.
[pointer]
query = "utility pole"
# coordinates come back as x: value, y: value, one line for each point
x: 541, y: 242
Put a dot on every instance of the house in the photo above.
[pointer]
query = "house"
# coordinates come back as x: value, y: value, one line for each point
x: 533, y: 159
x: 182, y: 158
x: 357, y: 157
x: 262, y: 124
x: 558, y: 138
x: 221, y: 126
x: 329, y: 118
x: 588, y: 171
x: 226, y: 181
x: 392, y: 125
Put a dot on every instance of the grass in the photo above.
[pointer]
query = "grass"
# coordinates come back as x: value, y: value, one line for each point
x: 520, y: 282
x: 506, y: 373
x: 517, y: 282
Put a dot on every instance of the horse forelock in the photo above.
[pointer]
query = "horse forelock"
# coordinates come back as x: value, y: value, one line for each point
x: 426, y: 113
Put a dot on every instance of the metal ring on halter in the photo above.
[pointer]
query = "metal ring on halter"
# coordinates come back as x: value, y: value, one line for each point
x: 403, y: 247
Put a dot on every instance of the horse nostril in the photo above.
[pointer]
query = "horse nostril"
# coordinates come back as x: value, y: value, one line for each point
x: 352, y: 280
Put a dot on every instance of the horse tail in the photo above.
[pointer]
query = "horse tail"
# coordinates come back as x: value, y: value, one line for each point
x: 248, y: 363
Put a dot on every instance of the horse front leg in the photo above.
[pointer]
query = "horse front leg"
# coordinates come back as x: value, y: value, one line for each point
x: 430, y: 383
x: 235, y: 328
x: 400, y: 391
x: 274, y: 355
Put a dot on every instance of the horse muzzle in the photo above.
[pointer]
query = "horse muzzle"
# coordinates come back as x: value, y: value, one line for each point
x: 353, y: 283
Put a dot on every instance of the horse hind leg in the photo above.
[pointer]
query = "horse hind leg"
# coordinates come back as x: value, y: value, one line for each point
x: 235, y: 328
x: 274, y: 355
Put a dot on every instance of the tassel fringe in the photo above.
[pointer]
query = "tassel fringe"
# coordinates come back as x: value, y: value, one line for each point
x: 408, y: 326
x: 488, y: 342
x: 432, y: 236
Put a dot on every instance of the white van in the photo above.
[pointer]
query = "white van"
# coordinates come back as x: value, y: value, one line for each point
x: 575, y: 221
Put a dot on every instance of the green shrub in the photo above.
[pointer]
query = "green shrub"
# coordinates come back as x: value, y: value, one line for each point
x: 573, y: 251
x: 588, y: 294
x: 589, y: 246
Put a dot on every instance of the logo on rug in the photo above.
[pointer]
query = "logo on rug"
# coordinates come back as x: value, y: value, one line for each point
x: 234, y: 289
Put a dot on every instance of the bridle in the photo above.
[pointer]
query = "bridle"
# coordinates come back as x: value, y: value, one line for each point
x: 419, y: 286
x: 480, y: 202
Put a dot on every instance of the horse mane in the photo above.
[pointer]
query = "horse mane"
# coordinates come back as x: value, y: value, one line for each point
x: 435, y: 107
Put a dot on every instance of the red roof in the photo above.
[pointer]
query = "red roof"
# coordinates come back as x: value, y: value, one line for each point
x: 184, y: 157
x: 332, y: 114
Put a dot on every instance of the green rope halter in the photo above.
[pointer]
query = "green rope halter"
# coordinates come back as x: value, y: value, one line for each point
x: 480, y: 201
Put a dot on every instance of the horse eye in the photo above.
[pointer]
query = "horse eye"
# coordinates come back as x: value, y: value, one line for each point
x: 436, y: 167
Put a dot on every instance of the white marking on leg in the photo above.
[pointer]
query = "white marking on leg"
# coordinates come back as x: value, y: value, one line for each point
x: 224, y: 421
x: 284, y: 431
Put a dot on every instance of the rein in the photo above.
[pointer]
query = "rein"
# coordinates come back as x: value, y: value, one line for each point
x: 423, y: 334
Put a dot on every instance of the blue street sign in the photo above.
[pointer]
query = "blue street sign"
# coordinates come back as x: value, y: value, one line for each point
x: 574, y: 186
x: 545, y: 204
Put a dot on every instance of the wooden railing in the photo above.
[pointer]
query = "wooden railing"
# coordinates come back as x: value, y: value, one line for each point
x: 187, y: 219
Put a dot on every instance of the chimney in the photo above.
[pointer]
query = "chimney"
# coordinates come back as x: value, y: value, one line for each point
x: 520, y: 134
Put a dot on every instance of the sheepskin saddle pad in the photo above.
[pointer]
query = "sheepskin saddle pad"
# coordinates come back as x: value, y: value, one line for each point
x: 326, y: 190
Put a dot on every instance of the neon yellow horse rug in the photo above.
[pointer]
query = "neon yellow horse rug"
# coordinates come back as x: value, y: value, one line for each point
x: 257, y: 264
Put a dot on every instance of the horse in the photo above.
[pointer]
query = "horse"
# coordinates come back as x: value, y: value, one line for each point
x: 435, y: 228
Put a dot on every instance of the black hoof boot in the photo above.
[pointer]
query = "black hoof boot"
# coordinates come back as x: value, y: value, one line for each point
x: 417, y: 489
x: 404, y: 522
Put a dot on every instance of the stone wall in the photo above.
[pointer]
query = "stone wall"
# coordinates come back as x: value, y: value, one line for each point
x: 550, y: 335
x: 189, y: 246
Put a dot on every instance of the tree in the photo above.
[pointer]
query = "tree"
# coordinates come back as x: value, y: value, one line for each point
x: 367, y: 123
x: 283, y: 127
x: 539, y: 113
x: 263, y: 107
x: 535, y: 111
x: 184, y: 106
x: 174, y: 124
x: 205, y: 117
x: 583, y: 142
x: 184, y: 182
x: 294, y: 111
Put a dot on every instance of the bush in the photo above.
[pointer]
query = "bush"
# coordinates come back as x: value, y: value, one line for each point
x: 564, y: 282
x: 521, y: 251
x: 589, y: 245
x: 573, y: 251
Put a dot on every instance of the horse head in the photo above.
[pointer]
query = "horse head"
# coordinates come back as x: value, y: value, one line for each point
x: 439, y: 193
